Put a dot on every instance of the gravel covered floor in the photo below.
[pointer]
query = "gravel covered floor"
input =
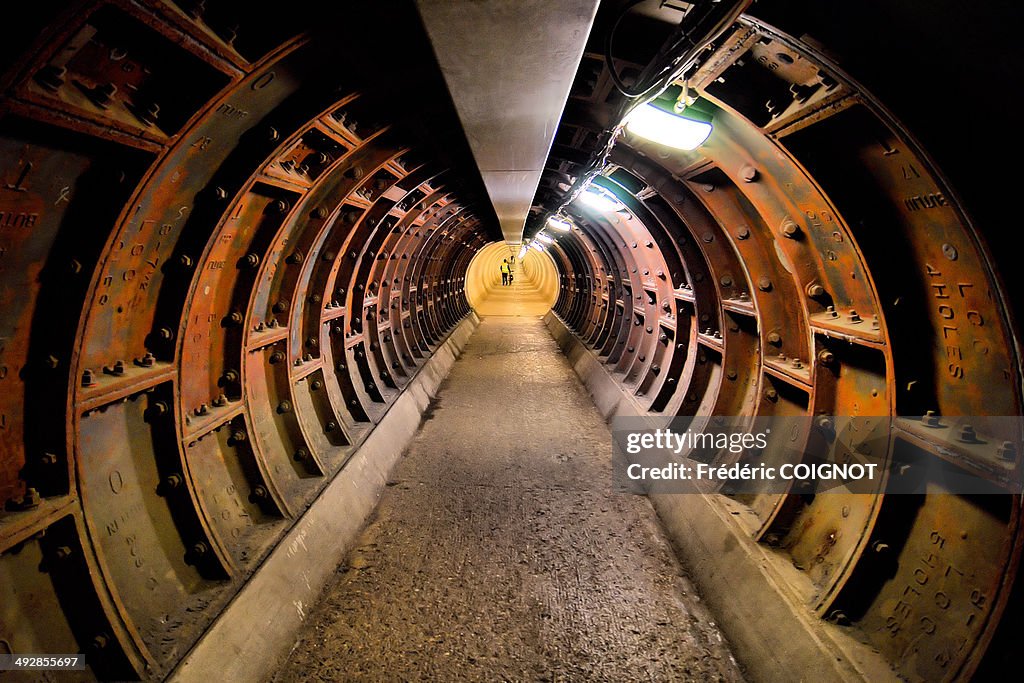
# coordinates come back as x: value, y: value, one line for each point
x: 500, y: 552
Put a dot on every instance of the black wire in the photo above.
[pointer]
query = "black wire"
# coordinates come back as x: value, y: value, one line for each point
x: 670, y: 53
x: 619, y: 85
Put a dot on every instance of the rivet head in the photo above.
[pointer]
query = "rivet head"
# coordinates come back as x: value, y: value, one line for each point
x: 790, y: 229
x: 764, y: 283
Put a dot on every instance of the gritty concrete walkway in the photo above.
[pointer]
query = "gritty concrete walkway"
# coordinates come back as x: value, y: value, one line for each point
x: 500, y: 552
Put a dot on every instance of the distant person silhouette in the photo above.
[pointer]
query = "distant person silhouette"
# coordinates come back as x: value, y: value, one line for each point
x: 505, y: 271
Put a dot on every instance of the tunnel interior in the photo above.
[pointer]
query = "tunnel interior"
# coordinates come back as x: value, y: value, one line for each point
x: 531, y: 289
x: 232, y: 240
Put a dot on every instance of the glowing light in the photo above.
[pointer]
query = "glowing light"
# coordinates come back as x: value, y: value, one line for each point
x: 522, y: 252
x: 596, y: 197
x: 536, y: 245
x: 658, y: 125
x: 558, y: 223
x: 545, y: 238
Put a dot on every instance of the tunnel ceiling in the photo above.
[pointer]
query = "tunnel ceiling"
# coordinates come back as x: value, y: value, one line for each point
x: 508, y: 67
x: 230, y: 237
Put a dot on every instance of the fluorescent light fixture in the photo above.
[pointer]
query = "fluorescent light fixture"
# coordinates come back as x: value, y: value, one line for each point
x: 559, y: 223
x: 545, y: 238
x: 522, y: 252
x: 665, y: 128
x: 536, y: 245
x: 596, y: 197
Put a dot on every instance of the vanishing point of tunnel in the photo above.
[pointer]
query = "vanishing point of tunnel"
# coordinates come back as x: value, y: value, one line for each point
x: 494, y: 340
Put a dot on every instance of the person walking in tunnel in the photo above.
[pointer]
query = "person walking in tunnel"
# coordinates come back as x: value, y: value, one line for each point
x: 505, y: 271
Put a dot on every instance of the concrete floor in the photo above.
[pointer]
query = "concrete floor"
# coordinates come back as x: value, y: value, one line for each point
x: 500, y: 552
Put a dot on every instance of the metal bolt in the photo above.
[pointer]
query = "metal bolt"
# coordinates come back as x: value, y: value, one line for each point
x: 236, y: 318
x: 967, y: 434
x: 726, y: 281
x: 31, y: 499
x: 1007, y: 451
x: 172, y: 481
x: 814, y: 290
x: 796, y: 363
x: 748, y: 173
x: 103, y: 95
x: 280, y: 307
x: 930, y: 419
x: 239, y: 436
x: 284, y: 407
x: 771, y: 394
x: 62, y: 552
x: 277, y: 357
x: 220, y: 194
x: 99, y: 641
x: 185, y: 261
x: 88, y: 380
x: 147, y: 112
x: 879, y: 546
x: 259, y: 493
x: 826, y: 357
x: 331, y: 426
x: 743, y: 232
x: 51, y: 77
x: 301, y: 455
x: 200, y: 549
x: 950, y: 252
x: 790, y: 229
x: 295, y: 257
x: 764, y: 283
x: 203, y: 409
x: 731, y: 374
x: 853, y: 317
x: 774, y: 338
x: 251, y: 260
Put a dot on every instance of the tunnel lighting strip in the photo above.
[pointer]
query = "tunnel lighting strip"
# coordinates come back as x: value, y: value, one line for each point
x: 657, y: 125
x: 545, y: 238
x: 559, y: 223
x: 597, y: 197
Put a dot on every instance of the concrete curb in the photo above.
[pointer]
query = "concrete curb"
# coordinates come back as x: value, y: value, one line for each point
x: 256, y: 631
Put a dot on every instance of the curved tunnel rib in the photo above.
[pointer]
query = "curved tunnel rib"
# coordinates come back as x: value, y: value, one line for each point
x: 220, y: 300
